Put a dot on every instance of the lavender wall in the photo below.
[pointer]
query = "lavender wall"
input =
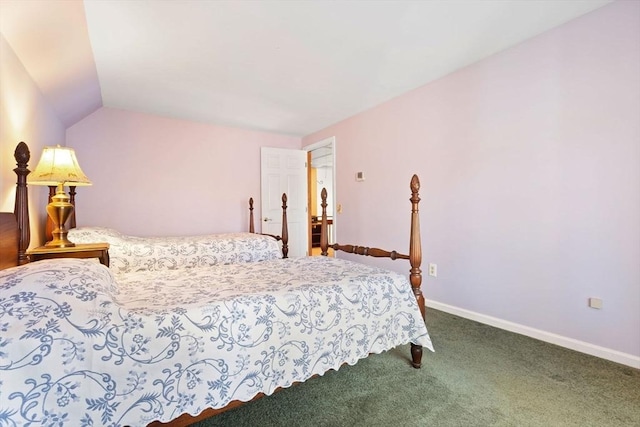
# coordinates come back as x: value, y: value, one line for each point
x: 24, y: 116
x: 530, y: 170
x: 160, y: 176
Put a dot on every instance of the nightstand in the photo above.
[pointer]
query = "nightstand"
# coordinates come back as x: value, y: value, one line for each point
x: 80, y: 250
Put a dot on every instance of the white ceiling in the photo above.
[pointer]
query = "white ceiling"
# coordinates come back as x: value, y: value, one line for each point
x: 291, y: 67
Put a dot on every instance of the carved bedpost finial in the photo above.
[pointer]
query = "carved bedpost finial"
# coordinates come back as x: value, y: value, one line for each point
x: 415, y: 185
x: 285, y: 229
x: 21, y: 210
x: 22, y: 154
x: 251, y: 228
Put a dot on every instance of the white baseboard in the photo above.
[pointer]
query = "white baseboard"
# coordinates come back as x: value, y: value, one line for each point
x: 581, y: 346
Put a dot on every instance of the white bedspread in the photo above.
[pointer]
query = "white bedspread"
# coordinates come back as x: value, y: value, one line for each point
x: 130, y: 253
x: 78, y: 348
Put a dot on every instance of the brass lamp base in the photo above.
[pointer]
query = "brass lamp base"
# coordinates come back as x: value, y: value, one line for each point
x: 59, y: 211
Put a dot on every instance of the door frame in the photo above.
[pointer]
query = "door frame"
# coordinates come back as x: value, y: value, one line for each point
x: 309, y: 148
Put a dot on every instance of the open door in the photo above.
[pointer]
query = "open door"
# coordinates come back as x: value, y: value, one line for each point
x: 321, y: 161
x: 285, y: 171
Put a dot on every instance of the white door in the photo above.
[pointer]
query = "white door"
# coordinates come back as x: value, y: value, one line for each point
x: 285, y: 171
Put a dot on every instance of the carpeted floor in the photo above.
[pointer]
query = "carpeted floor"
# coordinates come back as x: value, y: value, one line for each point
x: 479, y: 376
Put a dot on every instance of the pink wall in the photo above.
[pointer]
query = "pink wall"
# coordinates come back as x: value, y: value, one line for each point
x: 24, y: 116
x: 529, y: 162
x: 160, y: 176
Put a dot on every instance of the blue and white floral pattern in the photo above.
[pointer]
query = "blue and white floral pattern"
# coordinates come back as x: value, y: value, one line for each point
x: 130, y: 253
x: 80, y: 346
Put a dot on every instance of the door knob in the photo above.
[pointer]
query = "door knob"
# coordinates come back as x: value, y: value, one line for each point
x: 267, y: 219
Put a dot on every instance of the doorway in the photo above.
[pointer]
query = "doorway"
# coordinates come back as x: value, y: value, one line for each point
x: 285, y: 171
x: 321, y: 174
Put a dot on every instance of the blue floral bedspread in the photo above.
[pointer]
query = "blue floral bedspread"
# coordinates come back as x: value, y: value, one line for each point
x: 131, y: 253
x: 80, y: 346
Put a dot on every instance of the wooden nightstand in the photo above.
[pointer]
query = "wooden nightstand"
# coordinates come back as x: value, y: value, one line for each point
x: 80, y: 250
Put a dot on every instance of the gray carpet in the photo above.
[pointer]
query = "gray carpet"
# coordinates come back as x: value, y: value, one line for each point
x: 479, y: 376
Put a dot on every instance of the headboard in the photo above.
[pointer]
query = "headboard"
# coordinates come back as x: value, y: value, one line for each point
x: 8, y: 240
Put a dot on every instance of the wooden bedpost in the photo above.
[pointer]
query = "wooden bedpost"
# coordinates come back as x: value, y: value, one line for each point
x: 415, y: 259
x: 324, y: 235
x: 285, y: 228
x: 21, y: 210
x: 251, y: 227
x: 72, y: 200
x: 48, y: 228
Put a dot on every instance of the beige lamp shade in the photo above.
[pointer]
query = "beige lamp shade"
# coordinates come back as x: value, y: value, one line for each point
x: 58, y: 165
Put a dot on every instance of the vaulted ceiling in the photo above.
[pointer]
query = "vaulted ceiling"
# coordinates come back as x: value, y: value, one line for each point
x: 291, y: 67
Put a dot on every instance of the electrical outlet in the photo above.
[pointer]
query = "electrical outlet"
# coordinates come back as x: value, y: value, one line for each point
x: 433, y: 270
x: 595, y: 303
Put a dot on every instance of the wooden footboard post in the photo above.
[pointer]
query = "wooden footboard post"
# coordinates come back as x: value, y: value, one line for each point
x: 415, y: 259
x: 21, y: 210
x: 285, y: 228
x: 49, y: 226
x: 72, y: 200
x: 251, y: 227
x: 324, y: 235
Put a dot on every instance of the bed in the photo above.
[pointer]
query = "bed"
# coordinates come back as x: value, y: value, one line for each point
x: 133, y: 253
x: 128, y: 254
x: 83, y: 344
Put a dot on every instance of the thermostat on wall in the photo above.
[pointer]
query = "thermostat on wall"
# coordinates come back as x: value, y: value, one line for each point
x: 359, y: 176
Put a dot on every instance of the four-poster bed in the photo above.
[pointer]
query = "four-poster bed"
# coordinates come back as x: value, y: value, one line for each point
x: 179, y: 344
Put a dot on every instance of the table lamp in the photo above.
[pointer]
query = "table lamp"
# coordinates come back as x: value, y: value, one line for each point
x: 58, y: 167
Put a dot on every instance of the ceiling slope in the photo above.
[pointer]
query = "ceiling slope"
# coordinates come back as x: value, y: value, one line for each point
x: 296, y: 66
x: 290, y: 67
x: 51, y: 40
